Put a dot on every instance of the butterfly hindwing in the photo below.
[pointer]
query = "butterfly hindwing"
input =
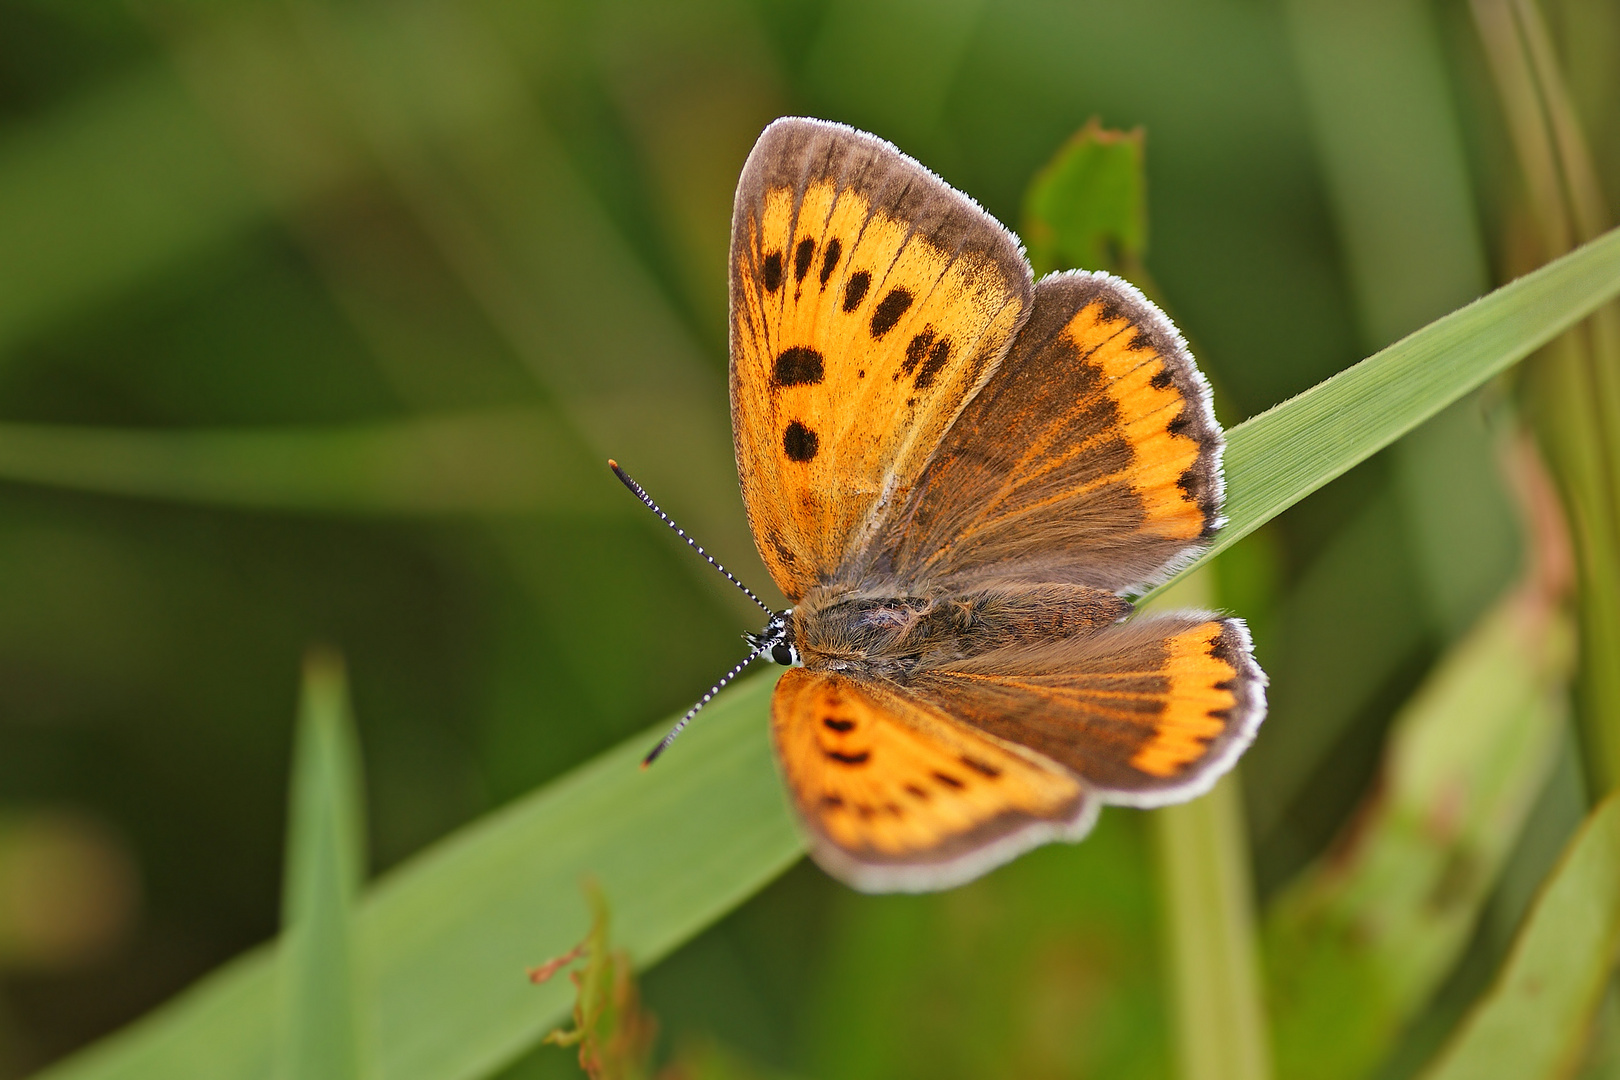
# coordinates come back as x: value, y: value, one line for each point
x: 869, y: 300
x: 898, y: 795
x: 1091, y: 456
x: 1145, y: 712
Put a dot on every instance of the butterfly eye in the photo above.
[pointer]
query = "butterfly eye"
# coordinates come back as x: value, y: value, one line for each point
x: 785, y: 654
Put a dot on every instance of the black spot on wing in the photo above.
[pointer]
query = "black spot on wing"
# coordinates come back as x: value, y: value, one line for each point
x: 855, y: 289
x: 773, y: 271
x: 801, y: 258
x: 949, y: 781
x: 799, y: 442
x: 916, y: 349
x: 830, y: 259
x: 838, y: 723
x: 1161, y: 379
x: 938, y: 356
x: 860, y: 758
x: 798, y: 366
x: 1180, y: 424
x: 889, y: 309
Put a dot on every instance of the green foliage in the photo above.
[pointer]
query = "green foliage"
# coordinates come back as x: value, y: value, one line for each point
x: 1357, y: 944
x: 343, y: 306
x: 1533, y: 1023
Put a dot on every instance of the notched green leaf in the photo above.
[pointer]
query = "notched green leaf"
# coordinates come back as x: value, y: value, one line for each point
x: 1088, y: 206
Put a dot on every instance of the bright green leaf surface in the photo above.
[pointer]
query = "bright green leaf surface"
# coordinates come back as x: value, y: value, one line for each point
x: 321, y: 1035
x: 448, y: 936
x: 1533, y: 1024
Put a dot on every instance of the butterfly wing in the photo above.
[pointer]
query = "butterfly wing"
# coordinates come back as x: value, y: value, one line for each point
x: 897, y: 795
x: 1091, y: 456
x: 869, y: 300
x: 1145, y: 713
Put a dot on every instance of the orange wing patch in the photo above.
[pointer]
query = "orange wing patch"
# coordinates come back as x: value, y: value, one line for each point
x: 1198, y: 703
x: 869, y: 301
x: 886, y: 783
x: 1144, y: 712
x: 1090, y: 457
x: 1153, y: 419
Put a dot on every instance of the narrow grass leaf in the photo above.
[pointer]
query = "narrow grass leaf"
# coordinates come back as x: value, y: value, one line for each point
x: 1534, y: 1022
x: 321, y: 1013
x: 494, y: 462
x: 1277, y: 458
x: 448, y: 936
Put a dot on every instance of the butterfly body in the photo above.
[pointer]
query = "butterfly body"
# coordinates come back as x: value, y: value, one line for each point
x: 954, y: 473
x: 882, y: 633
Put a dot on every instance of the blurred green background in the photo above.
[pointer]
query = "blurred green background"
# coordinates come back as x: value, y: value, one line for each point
x: 317, y: 321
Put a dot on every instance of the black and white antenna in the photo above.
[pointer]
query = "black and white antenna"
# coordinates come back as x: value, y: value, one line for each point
x: 680, y: 724
x: 777, y: 634
x: 640, y: 493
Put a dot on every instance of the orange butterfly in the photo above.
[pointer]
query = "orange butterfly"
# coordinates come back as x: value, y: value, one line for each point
x: 953, y: 472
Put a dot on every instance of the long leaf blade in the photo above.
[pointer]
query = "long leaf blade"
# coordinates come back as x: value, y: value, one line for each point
x: 1277, y: 458
x: 320, y: 1007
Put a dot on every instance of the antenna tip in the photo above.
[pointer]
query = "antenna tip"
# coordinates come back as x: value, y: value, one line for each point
x: 614, y: 465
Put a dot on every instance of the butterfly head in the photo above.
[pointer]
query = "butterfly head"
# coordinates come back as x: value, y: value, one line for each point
x: 775, y: 642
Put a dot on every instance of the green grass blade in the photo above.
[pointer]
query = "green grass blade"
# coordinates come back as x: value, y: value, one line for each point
x: 1277, y: 458
x: 321, y: 1025
x: 448, y: 936
x: 505, y: 461
x: 1534, y: 1022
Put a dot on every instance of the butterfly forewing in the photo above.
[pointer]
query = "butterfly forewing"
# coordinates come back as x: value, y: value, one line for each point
x: 869, y: 301
x: 1091, y: 456
x: 897, y: 794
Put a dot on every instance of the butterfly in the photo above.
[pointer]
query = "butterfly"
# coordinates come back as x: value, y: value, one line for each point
x: 954, y: 472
